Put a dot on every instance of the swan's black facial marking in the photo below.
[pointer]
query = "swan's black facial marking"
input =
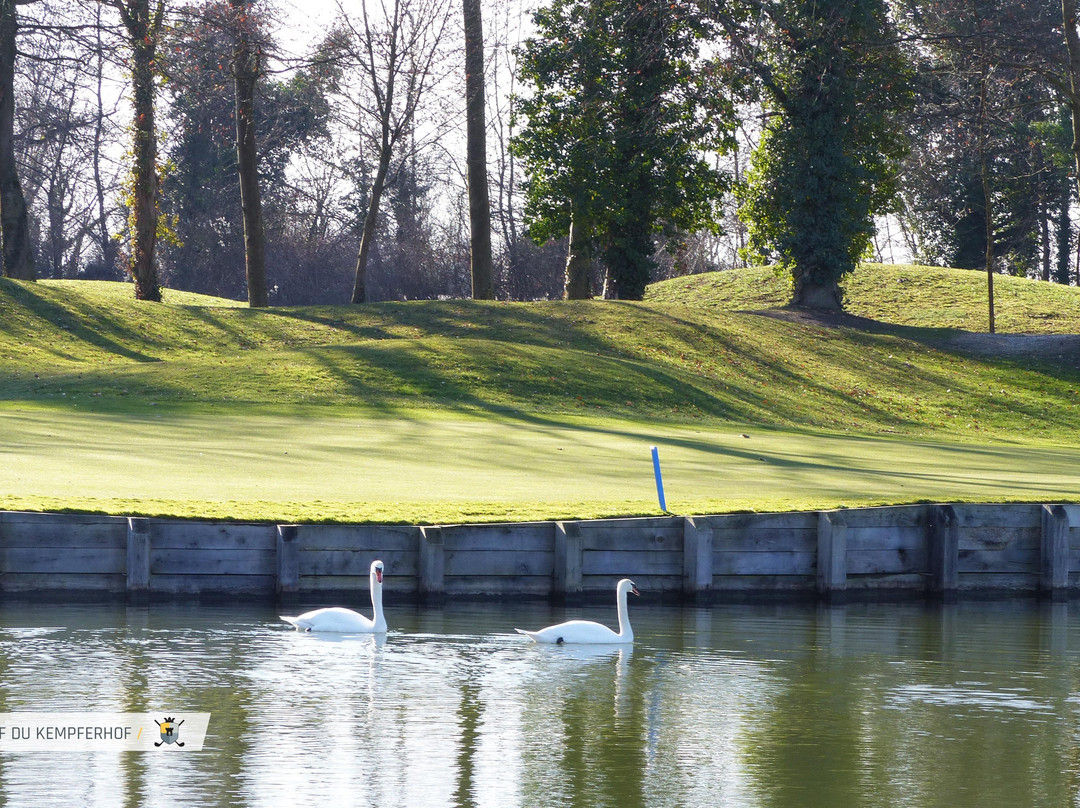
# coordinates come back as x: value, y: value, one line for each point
x: 559, y: 641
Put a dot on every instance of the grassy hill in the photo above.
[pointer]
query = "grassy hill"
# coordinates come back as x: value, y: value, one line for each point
x: 440, y: 411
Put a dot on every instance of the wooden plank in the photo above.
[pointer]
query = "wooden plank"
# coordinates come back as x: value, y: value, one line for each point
x: 223, y: 585
x: 633, y: 523
x: 485, y: 563
x: 531, y: 537
x: 998, y: 582
x: 363, y: 538
x: 600, y: 588
x: 697, y: 559
x: 138, y: 556
x: 898, y: 582
x: 891, y: 517
x: 397, y: 585
x: 752, y: 584
x: 997, y: 516
x: 802, y: 520
x: 943, y: 546
x: 1054, y: 552
x: 766, y: 540
x: 628, y: 564
x: 888, y: 562
x: 999, y: 562
x: 60, y: 560
x: 567, y: 563
x: 350, y: 562
x: 61, y: 520
x: 432, y: 563
x: 196, y: 563
x: 106, y: 533
x: 1073, y: 513
x: 832, y: 554
x: 644, y: 539
x: 112, y: 583
x: 518, y: 586
x: 770, y: 564
x: 172, y: 535
x: 885, y: 538
x: 999, y: 538
x: 288, y: 560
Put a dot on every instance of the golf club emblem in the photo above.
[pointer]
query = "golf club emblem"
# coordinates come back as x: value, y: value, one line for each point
x: 170, y: 731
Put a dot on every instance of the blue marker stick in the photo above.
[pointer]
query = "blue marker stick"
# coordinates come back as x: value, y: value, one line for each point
x: 659, y: 479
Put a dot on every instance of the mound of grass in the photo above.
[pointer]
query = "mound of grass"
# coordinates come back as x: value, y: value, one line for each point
x: 467, y: 410
x: 923, y: 297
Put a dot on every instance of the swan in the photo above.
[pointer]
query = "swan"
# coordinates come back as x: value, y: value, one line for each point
x: 586, y: 631
x: 344, y: 620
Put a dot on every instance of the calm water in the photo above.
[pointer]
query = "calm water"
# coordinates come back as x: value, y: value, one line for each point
x: 883, y: 705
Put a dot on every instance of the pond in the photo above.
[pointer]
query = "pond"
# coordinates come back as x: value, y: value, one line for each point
x: 976, y: 704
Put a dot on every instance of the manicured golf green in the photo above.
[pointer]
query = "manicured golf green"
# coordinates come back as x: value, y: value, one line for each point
x: 464, y: 411
x: 440, y: 469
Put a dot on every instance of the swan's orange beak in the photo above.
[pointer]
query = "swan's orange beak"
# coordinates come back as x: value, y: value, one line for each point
x: 378, y: 576
x: 633, y: 589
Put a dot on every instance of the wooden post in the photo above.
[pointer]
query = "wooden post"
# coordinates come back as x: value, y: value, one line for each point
x: 288, y: 562
x: 1054, y: 577
x: 832, y: 556
x: 697, y: 559
x: 568, y: 551
x: 432, y: 564
x: 944, y: 545
x: 138, y: 559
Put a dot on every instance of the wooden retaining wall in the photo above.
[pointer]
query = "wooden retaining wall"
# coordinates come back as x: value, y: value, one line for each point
x: 942, y: 550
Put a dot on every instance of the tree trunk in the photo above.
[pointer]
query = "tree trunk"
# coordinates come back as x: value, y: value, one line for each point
x: 18, y: 254
x: 1072, y: 44
x: 811, y: 292
x: 480, y: 263
x: 143, y: 33
x: 108, y: 247
x: 359, y: 294
x: 578, y: 262
x: 245, y: 75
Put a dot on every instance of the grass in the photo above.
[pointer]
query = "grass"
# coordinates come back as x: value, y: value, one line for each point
x: 467, y: 411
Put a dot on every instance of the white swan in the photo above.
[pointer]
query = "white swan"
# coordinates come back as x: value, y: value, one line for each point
x: 344, y: 620
x: 586, y: 631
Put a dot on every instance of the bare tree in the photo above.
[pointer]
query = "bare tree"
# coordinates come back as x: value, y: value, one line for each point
x: 396, y: 52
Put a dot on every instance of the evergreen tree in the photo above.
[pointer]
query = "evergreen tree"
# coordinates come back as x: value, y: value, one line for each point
x: 622, y: 109
x: 829, y: 152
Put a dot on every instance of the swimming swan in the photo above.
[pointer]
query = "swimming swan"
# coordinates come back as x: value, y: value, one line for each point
x: 586, y: 631
x: 343, y: 620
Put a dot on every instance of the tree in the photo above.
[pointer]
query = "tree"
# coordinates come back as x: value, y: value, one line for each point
x: 143, y: 27
x: 396, y: 55
x: 621, y: 110
x: 985, y: 177
x: 202, y: 192
x: 828, y: 156
x: 246, y: 70
x: 18, y: 256
x: 480, y: 264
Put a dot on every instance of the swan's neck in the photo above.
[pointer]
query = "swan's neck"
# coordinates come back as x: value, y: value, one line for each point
x: 624, y: 619
x: 376, y: 605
